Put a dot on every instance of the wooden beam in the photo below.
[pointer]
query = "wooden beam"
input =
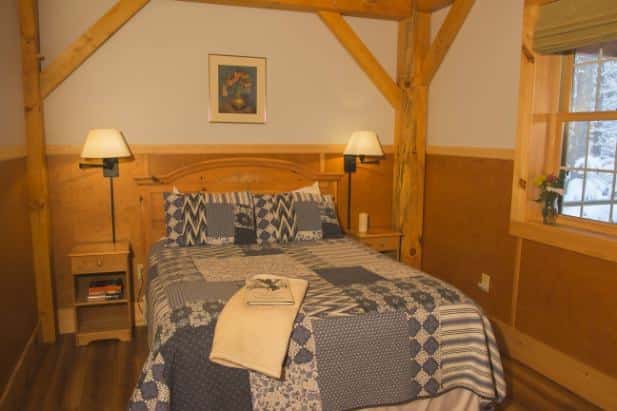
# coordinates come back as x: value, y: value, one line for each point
x: 430, y: 6
x: 78, y: 52
x: 445, y: 37
x: 363, y: 56
x: 37, y: 168
x: 383, y: 9
x: 410, y: 138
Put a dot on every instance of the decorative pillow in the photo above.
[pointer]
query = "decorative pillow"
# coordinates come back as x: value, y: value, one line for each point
x: 308, y: 216
x: 231, y: 218
x: 174, y: 219
x: 267, y: 222
x: 209, y: 218
x: 285, y: 210
x: 329, y: 220
x: 275, y: 218
x: 295, y: 216
x: 329, y: 227
x: 195, y: 222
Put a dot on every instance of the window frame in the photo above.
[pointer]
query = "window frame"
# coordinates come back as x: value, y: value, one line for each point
x: 544, y: 96
x: 555, y: 140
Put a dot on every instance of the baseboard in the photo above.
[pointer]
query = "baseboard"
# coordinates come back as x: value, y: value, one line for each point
x: 579, y: 378
x: 533, y: 391
x: 23, y: 373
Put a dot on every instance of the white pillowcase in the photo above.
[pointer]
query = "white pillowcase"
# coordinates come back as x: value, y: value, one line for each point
x: 312, y: 189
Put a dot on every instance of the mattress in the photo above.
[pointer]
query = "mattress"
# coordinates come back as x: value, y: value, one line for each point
x: 371, y: 332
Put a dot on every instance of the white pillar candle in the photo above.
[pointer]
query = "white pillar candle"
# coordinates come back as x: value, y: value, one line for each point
x: 363, y: 222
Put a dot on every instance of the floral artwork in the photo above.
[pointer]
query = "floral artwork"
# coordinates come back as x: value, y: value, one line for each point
x: 237, y: 89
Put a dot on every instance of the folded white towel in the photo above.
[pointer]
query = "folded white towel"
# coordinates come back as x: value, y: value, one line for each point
x: 256, y: 337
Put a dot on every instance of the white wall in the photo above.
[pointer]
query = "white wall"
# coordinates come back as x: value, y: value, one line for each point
x: 151, y: 78
x: 11, y: 97
x: 474, y: 96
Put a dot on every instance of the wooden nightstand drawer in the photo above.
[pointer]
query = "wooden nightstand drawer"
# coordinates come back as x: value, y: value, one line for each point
x: 99, y: 263
x: 382, y: 243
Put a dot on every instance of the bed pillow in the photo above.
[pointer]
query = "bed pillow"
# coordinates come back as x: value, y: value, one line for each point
x: 312, y: 189
x: 174, y: 219
x: 324, y: 204
x: 194, y: 219
x: 266, y: 219
x: 230, y: 218
x: 275, y: 218
x: 295, y: 216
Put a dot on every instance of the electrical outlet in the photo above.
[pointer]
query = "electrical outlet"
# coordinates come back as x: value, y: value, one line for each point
x: 485, y: 282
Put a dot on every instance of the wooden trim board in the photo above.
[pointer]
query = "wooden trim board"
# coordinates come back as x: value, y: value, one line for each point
x: 583, y: 380
x: 529, y: 390
x: 459, y: 151
x: 17, y: 386
x: 569, y: 238
x: 476, y: 152
x: 12, y: 152
x: 72, y: 149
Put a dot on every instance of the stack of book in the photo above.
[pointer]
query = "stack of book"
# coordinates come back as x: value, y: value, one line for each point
x: 102, y: 290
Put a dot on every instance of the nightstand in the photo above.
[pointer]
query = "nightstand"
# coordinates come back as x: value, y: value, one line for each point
x: 102, y: 319
x: 381, y: 239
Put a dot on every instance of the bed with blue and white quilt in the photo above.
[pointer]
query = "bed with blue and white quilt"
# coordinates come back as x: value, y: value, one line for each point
x: 371, y: 332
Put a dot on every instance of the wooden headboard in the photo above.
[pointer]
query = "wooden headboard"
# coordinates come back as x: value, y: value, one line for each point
x: 258, y: 175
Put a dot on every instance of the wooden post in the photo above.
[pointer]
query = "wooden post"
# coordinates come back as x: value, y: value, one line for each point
x: 37, y: 168
x: 410, y: 139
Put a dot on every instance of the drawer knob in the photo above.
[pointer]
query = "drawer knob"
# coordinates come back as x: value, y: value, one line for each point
x: 99, y: 262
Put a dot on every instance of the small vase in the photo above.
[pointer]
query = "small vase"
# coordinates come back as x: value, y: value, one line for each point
x: 549, y: 215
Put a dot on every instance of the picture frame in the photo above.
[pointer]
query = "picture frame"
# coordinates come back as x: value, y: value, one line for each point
x: 237, y: 89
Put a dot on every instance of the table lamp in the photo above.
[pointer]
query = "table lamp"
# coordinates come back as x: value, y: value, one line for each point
x: 362, y: 144
x: 108, y: 145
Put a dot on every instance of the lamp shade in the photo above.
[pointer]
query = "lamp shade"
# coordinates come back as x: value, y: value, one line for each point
x: 105, y: 143
x: 364, y: 143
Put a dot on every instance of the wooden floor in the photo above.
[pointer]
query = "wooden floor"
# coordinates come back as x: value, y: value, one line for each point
x: 100, y: 376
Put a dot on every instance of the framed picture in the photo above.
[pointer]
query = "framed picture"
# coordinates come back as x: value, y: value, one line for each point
x: 237, y: 89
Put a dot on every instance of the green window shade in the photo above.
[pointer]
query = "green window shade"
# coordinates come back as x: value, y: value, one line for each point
x: 565, y: 25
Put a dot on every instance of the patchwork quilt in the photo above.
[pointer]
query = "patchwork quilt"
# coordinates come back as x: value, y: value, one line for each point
x: 370, y: 332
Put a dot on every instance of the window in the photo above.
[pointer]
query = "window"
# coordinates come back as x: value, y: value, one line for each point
x: 589, y: 149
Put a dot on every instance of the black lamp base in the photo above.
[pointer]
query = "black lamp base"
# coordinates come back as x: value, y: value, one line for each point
x: 349, y: 164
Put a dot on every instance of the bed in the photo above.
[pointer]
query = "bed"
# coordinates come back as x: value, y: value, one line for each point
x: 371, y: 332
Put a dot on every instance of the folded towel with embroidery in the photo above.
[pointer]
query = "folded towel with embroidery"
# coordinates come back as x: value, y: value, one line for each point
x: 255, y: 336
x: 268, y: 290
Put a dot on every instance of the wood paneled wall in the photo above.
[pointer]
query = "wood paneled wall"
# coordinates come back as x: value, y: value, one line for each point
x: 566, y: 300
x: 18, y: 312
x: 466, y: 227
x: 80, y: 200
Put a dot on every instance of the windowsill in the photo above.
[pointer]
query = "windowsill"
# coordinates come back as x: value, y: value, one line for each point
x: 575, y: 239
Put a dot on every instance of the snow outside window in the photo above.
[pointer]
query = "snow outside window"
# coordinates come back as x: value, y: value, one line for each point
x: 590, y: 147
